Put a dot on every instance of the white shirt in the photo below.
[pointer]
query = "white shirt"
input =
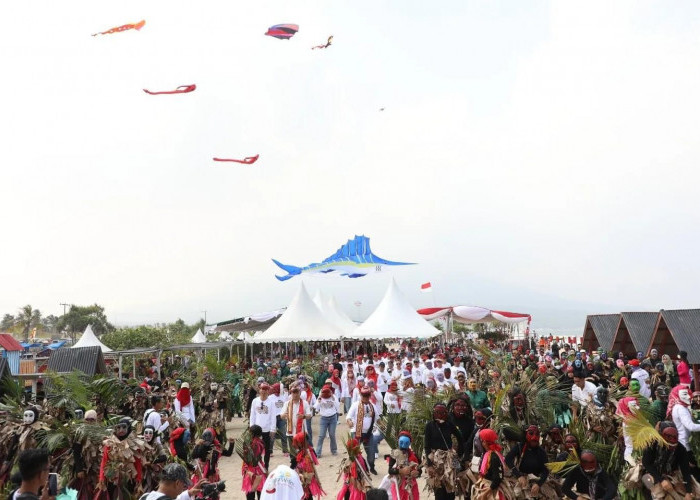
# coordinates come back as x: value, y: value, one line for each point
x: 392, y: 403
x: 382, y: 381
x: 684, y: 423
x: 155, y: 495
x: 585, y: 395
x: 367, y: 422
x: 327, y: 407
x: 276, y: 404
x: 282, y: 484
x: 356, y: 394
x: 306, y: 410
x: 262, y: 413
x: 407, y: 400
x: 187, y: 411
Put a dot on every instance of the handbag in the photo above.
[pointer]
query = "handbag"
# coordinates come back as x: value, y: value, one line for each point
x: 456, y: 464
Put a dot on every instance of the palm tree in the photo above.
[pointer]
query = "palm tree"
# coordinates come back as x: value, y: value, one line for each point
x: 27, y: 318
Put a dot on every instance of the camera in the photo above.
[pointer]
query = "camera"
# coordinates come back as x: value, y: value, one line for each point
x: 212, y: 490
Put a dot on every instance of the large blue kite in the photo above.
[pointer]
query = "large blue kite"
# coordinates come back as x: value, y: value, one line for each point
x: 354, y: 260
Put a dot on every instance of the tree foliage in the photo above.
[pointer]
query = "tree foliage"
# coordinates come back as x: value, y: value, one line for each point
x: 79, y: 317
x: 27, y: 318
x: 175, y: 333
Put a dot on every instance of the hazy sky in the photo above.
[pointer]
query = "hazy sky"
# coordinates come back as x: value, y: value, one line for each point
x: 533, y: 156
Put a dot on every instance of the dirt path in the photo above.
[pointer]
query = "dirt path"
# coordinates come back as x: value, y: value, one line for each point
x: 230, y: 467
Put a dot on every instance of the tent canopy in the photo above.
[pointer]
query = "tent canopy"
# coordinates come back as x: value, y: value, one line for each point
x: 394, y: 317
x: 89, y: 339
x: 199, y: 337
x: 302, y: 321
x: 473, y: 314
x: 333, y: 313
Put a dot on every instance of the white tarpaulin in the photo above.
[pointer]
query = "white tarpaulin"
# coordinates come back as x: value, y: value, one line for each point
x: 199, y: 337
x: 89, y: 339
x: 394, y: 317
x: 474, y: 314
x: 301, y: 322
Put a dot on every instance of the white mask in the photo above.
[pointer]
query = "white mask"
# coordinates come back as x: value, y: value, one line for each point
x: 214, y: 386
x: 148, y: 435
x: 684, y: 396
x: 28, y: 417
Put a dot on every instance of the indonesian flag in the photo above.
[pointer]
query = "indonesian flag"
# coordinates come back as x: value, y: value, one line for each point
x: 426, y: 287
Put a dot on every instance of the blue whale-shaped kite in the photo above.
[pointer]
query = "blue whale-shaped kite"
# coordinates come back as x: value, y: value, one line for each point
x: 353, y: 260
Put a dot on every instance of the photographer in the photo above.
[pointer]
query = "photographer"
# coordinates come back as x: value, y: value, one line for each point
x: 173, y: 485
x: 34, y: 469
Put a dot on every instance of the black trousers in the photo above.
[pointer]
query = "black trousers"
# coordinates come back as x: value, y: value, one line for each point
x: 441, y: 494
x: 252, y: 495
x: 268, y: 449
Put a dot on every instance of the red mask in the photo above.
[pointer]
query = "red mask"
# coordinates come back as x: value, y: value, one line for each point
x: 460, y: 408
x: 670, y: 435
x: 479, y: 418
x: 589, y: 462
x: 519, y: 401
x: 440, y: 412
x: 532, y: 436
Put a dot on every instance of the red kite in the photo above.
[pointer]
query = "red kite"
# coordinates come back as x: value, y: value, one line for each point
x: 326, y: 45
x: 125, y: 27
x: 247, y: 160
x: 182, y: 89
x: 283, y: 31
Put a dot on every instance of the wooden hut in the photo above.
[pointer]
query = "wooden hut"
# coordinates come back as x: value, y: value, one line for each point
x: 599, y: 331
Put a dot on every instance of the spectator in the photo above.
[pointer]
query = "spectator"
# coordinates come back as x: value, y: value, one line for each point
x: 173, y: 485
x: 34, y: 469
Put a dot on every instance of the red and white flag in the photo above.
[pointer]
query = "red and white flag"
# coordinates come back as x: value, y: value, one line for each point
x: 426, y: 287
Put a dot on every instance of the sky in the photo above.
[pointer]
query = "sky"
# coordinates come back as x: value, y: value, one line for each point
x: 534, y: 156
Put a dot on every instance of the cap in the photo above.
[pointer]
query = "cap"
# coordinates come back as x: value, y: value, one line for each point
x: 264, y: 386
x: 175, y: 472
x: 90, y: 414
x: 185, y: 385
x: 634, y: 362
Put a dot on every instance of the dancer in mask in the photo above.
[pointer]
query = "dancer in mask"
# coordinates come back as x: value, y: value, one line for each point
x: 529, y: 458
x: 208, y: 451
x: 666, y: 468
x: 441, y: 458
x: 589, y: 479
x: 253, y: 467
x: 404, y: 468
x: 154, y: 457
x: 490, y: 484
x: 306, y: 467
x: 121, y: 469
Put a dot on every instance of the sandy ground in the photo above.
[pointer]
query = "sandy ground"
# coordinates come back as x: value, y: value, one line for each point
x: 230, y: 467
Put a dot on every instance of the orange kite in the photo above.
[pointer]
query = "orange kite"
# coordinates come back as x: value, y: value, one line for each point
x: 125, y: 27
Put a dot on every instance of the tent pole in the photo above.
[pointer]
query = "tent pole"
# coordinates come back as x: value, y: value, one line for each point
x: 120, y: 367
x: 133, y: 359
x: 159, y: 353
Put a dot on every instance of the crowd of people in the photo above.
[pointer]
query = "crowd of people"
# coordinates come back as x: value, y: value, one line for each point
x: 475, y: 420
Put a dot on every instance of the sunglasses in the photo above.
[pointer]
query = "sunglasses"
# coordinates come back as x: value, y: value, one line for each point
x: 533, y: 433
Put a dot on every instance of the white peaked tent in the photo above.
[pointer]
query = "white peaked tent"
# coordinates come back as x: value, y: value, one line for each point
x: 301, y: 322
x: 199, y: 337
x: 394, y: 317
x: 333, y: 313
x: 89, y: 339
